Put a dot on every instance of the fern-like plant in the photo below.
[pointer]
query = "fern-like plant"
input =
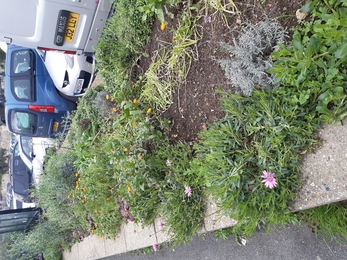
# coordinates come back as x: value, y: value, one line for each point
x: 251, y: 56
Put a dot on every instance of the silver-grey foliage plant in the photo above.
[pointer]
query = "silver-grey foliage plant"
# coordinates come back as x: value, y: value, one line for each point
x: 251, y: 56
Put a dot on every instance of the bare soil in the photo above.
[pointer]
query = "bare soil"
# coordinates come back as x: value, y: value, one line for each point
x: 196, y: 103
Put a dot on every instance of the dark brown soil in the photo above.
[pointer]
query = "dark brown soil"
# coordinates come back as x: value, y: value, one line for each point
x: 196, y: 103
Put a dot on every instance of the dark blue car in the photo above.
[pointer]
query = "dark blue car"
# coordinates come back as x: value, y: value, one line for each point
x: 33, y: 106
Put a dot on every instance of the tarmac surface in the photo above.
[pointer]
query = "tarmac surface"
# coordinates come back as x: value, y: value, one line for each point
x: 291, y: 243
x: 324, y: 182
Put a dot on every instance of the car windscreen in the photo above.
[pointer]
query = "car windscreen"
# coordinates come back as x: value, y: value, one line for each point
x: 23, y: 122
x: 26, y: 145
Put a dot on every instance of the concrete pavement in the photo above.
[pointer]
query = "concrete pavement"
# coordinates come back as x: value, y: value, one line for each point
x: 133, y: 237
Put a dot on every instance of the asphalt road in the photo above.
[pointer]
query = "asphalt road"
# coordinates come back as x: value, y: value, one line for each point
x: 290, y: 243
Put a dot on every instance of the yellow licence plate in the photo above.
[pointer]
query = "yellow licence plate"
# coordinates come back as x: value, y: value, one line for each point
x: 55, y: 126
x: 71, y: 27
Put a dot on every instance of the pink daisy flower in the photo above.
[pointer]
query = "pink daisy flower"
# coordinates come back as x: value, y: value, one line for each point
x: 155, y: 247
x: 269, y: 179
x: 188, y: 191
x: 160, y: 225
x: 168, y: 163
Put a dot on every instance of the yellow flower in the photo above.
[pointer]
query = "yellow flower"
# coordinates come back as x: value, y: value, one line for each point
x: 83, y: 201
x: 114, y: 109
x: 131, y: 161
x: 129, y: 188
x: 134, y: 124
x: 100, y: 236
x: 92, y: 231
x: 96, y: 224
x: 162, y: 26
x: 95, y: 211
x: 126, y: 149
x: 84, y: 189
x: 117, y: 162
x: 149, y: 110
x: 133, y: 86
x: 135, y: 100
x: 111, y: 134
x: 107, y: 96
x: 133, y: 192
x: 77, y: 186
x: 108, y: 198
x: 76, y: 174
x: 79, y: 179
x: 141, y: 157
x: 104, y: 69
x: 69, y: 196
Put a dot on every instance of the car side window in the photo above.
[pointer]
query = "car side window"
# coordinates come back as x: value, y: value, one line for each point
x: 22, y: 89
x: 23, y: 122
x: 22, y: 62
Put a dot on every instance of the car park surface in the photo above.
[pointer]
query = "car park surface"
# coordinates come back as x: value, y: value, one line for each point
x: 9, y: 195
x: 33, y: 106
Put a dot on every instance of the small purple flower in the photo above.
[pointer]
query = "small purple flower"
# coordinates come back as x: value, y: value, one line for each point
x: 188, y: 191
x: 155, y: 247
x: 168, y: 163
x: 269, y: 179
x: 160, y: 225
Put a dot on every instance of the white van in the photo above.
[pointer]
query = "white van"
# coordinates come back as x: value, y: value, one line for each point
x: 69, y: 26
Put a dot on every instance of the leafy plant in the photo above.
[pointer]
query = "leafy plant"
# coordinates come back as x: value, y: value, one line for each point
x: 314, y: 65
x: 251, y: 56
x: 151, y: 8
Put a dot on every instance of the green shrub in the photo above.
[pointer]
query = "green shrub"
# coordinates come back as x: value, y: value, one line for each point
x: 266, y: 131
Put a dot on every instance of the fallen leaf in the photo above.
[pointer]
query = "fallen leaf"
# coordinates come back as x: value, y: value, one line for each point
x: 300, y: 15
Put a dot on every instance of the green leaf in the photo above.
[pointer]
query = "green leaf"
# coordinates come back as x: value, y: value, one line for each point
x: 308, y: 7
x: 313, y: 47
x: 298, y: 46
x: 341, y: 52
x: 323, y: 109
x: 323, y: 96
x: 338, y: 90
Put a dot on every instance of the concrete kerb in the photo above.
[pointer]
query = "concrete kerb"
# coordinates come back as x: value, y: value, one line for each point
x: 134, y: 236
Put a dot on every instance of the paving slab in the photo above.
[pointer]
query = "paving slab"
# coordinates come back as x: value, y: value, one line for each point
x: 116, y: 245
x: 91, y: 248
x: 162, y: 235
x: 72, y: 254
x: 324, y: 173
x: 215, y: 219
x: 137, y: 237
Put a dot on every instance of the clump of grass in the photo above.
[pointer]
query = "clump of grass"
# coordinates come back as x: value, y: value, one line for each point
x: 171, y: 65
